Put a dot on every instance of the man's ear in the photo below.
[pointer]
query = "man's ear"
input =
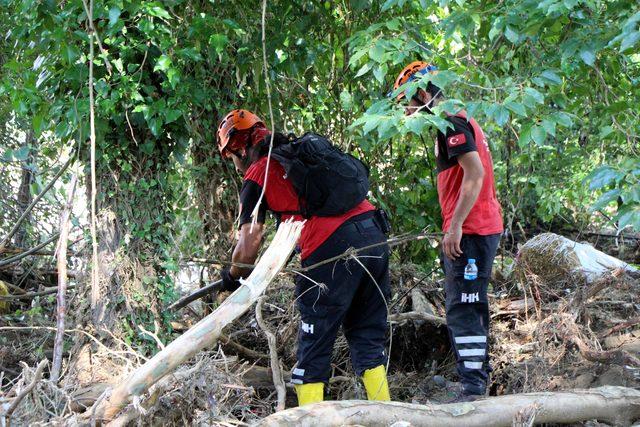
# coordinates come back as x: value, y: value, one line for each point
x: 423, y: 96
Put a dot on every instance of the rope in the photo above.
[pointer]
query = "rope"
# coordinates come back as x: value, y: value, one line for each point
x: 254, y: 214
x: 392, y: 241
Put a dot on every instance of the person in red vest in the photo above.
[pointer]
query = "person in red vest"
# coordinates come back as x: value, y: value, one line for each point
x: 472, y: 226
x: 349, y: 293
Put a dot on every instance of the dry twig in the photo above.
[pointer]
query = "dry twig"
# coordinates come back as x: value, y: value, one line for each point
x: 36, y: 378
x: 275, y: 362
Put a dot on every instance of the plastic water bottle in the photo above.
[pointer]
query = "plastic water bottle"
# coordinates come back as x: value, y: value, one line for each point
x: 471, y: 270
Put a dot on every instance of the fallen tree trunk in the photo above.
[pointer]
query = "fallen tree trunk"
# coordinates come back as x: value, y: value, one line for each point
x: 206, y: 332
x: 613, y: 405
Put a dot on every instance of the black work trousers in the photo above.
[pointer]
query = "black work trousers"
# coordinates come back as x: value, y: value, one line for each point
x: 467, y: 308
x: 347, y: 296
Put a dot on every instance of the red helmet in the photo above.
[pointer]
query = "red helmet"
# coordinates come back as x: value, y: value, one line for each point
x: 408, y: 73
x: 235, y: 121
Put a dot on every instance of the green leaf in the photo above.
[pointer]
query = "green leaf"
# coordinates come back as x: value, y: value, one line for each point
x: 21, y: 154
x: 119, y: 65
x: 388, y: 4
x: 346, y: 100
x: 472, y: 107
x: 605, y: 200
x: 218, y: 42
x: 631, y: 195
x: 39, y: 123
x: 379, y: 73
x: 159, y: 12
x: 551, y: 77
x: 525, y: 135
x: 511, y: 35
x: 517, y: 108
x: 501, y: 115
x: 163, y: 63
x: 377, y: 52
x: 588, y: 57
x: 629, y: 217
x: 415, y: 123
x: 563, y: 119
x: 171, y: 115
x: 364, y: 69
x: 70, y: 53
x: 534, y: 94
x: 605, y: 131
x: 371, y: 123
x: 629, y: 41
x: 494, y: 32
x: 155, y: 124
x: 114, y: 14
x: 603, y: 176
x: 538, y: 134
x: 442, y: 79
x: 549, y: 126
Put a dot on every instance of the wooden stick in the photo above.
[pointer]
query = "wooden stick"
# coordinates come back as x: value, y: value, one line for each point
x: 206, y: 332
x: 200, y: 293
x: 25, y: 254
x: 609, y: 404
x: 241, y: 349
x: 58, y: 342
x: 276, y: 372
x: 36, y: 378
x: 32, y: 295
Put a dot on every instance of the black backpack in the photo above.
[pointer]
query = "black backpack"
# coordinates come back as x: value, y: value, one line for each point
x: 328, y: 181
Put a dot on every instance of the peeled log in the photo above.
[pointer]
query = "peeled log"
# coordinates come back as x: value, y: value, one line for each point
x: 206, y: 332
x: 613, y: 405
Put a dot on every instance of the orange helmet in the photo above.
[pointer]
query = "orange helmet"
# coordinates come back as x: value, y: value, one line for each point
x: 236, y: 120
x: 409, y: 72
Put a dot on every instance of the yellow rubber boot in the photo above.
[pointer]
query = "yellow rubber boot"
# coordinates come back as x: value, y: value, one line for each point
x: 375, y: 382
x: 309, y: 393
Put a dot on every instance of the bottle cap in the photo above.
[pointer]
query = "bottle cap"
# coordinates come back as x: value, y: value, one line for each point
x: 472, y: 260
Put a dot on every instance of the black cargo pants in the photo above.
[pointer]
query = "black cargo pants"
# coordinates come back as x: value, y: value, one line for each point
x: 351, y: 299
x: 467, y: 309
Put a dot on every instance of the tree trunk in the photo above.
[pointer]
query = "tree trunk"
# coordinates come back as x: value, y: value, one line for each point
x: 24, y: 191
x: 612, y: 405
x: 206, y: 332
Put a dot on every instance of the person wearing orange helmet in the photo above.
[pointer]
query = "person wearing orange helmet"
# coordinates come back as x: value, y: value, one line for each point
x: 472, y: 225
x: 356, y: 290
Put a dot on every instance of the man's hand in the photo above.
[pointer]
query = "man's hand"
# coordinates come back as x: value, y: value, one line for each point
x: 469, y: 191
x: 229, y: 283
x: 451, y: 242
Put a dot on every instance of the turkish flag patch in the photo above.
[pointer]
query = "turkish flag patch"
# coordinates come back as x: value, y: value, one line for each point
x: 455, y: 140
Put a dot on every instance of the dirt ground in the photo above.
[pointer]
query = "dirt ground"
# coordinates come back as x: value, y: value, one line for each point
x: 544, y: 336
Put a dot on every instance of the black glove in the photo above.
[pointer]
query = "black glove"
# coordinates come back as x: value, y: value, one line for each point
x: 228, y: 282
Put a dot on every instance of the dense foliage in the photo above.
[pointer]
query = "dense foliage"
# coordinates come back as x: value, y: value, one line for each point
x: 553, y: 83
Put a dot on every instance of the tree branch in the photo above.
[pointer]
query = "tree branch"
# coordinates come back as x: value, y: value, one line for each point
x: 33, y: 203
x: 276, y: 372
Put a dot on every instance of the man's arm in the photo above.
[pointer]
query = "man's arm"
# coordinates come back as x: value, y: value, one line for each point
x: 246, y: 251
x: 469, y: 191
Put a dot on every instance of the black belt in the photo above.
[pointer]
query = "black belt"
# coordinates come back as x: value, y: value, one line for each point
x: 360, y: 222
